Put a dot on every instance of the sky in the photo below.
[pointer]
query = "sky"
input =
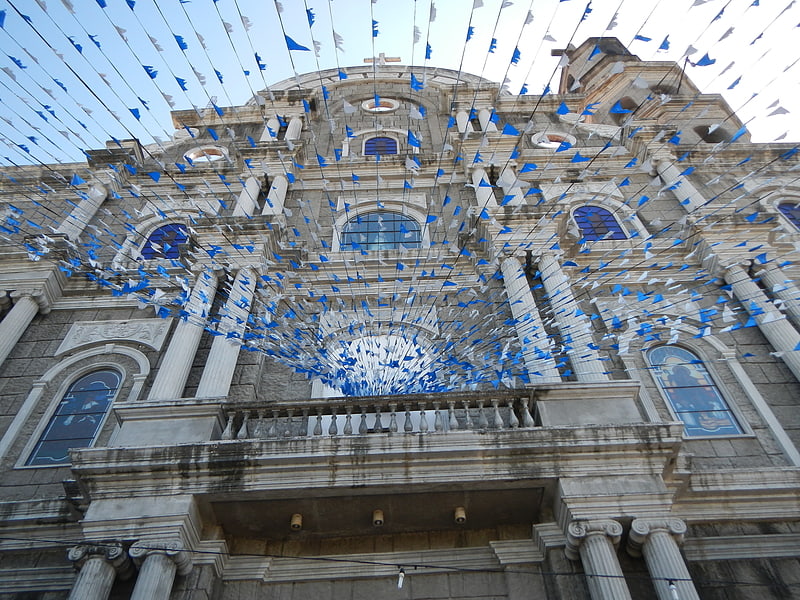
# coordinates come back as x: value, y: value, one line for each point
x: 77, y: 73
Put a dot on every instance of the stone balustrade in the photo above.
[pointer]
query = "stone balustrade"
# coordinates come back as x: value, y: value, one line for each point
x: 417, y: 413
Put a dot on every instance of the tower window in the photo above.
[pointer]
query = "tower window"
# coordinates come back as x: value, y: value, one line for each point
x: 791, y: 210
x: 597, y: 223
x: 77, y: 418
x: 379, y: 146
x: 381, y: 230
x: 165, y: 242
x: 692, y: 394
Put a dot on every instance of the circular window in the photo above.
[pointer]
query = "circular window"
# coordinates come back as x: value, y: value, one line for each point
x: 206, y: 154
x: 380, y: 105
x: 553, y: 141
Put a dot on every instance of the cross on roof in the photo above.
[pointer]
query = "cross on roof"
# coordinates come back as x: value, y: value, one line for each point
x: 383, y: 59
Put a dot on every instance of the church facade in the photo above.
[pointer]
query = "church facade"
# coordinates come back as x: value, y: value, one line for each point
x: 386, y: 331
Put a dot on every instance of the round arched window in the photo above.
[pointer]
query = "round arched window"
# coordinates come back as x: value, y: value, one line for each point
x: 380, y: 105
x: 206, y: 154
x: 381, y: 230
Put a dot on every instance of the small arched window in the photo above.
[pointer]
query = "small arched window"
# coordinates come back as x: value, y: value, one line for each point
x: 164, y: 242
x: 77, y: 418
x: 692, y: 394
x: 381, y: 230
x: 597, y: 223
x: 791, y: 210
x: 380, y: 146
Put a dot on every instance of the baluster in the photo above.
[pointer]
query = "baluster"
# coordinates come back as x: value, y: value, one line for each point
x: 408, y: 426
x: 242, y: 433
x: 289, y: 423
x: 393, y: 418
x: 348, y: 421
x: 272, y: 432
x: 333, y: 428
x: 483, y: 422
x: 318, y: 424
x: 468, y: 424
x: 527, y: 419
x: 378, y: 426
x: 497, y: 418
x: 362, y: 427
x: 513, y: 421
x: 452, y: 411
x: 437, y: 421
x: 258, y: 430
x: 423, y: 420
x: 303, y: 429
x: 227, y: 434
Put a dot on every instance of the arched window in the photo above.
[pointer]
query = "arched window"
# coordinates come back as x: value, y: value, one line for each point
x: 791, y: 210
x: 164, y: 242
x: 77, y: 418
x: 694, y: 397
x: 381, y: 230
x: 379, y: 146
x: 597, y: 223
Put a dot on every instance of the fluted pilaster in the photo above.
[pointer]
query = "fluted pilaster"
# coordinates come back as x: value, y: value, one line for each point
x: 159, y: 562
x: 533, y: 339
x: 784, y: 289
x: 177, y: 361
x: 594, y: 543
x: 573, y: 326
x: 771, y: 322
x: 27, y: 303
x: 657, y: 540
x: 221, y: 363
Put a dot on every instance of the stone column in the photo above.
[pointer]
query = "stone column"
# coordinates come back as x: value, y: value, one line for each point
x: 27, y: 303
x: 221, y: 363
x: 463, y: 123
x: 248, y: 199
x: 293, y: 129
x: 177, y: 361
x: 485, y: 119
x: 270, y: 133
x: 83, y: 212
x: 683, y: 189
x: 158, y: 564
x: 98, y: 567
x: 594, y: 543
x: 657, y: 540
x: 533, y: 339
x: 484, y: 192
x: 276, y: 196
x: 784, y: 289
x: 771, y: 322
x: 573, y: 325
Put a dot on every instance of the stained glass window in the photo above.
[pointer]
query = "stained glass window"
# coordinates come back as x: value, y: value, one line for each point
x: 164, y: 242
x: 791, y: 210
x: 380, y: 145
x: 692, y: 393
x: 381, y: 230
x: 598, y: 223
x: 77, y: 418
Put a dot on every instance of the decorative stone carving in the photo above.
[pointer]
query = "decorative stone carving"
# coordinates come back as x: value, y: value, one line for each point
x: 150, y: 332
x: 641, y: 528
x: 578, y: 531
x: 99, y: 565
x: 112, y: 552
x: 173, y: 549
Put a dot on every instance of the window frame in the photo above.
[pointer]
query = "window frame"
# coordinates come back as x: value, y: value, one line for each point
x: 175, y: 224
x: 795, y: 202
x: 380, y: 135
x: 626, y: 235
x: 347, y: 246
x: 62, y: 398
x: 722, y: 392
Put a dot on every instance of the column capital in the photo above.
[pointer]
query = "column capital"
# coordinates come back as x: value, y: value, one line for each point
x: 39, y: 295
x: 112, y: 552
x: 579, y: 531
x: 642, y: 528
x: 172, y: 549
